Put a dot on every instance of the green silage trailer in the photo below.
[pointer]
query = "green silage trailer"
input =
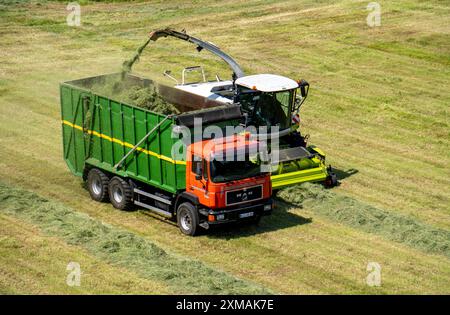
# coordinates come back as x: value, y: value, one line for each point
x: 98, y: 131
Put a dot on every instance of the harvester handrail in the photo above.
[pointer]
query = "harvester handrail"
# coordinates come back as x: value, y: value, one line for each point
x: 141, y: 141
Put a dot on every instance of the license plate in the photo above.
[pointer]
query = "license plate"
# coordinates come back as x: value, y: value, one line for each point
x: 246, y: 215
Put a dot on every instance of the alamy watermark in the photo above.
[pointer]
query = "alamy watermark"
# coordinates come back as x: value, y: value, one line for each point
x: 74, y: 16
x: 73, y: 279
x: 373, y: 279
x: 374, y: 17
x: 237, y: 143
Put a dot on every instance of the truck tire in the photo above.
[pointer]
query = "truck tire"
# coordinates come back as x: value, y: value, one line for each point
x: 97, y: 182
x: 187, y: 218
x: 120, y: 193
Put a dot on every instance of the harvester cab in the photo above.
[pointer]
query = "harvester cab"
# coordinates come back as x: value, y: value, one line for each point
x: 269, y: 100
x: 274, y: 101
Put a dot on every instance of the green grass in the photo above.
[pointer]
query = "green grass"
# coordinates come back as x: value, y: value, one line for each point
x: 34, y: 263
x: 120, y: 248
x: 378, y: 106
x: 357, y: 214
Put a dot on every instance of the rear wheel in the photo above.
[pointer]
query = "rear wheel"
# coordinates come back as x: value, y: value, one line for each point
x: 120, y: 193
x: 97, y: 182
x: 187, y: 218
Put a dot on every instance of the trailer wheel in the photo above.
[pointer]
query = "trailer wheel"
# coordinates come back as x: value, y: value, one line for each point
x: 187, y: 218
x: 120, y: 194
x: 98, y: 185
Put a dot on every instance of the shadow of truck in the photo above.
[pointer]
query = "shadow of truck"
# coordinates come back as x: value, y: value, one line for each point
x: 281, y: 218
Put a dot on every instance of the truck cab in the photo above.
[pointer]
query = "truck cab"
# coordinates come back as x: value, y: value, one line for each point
x: 227, y: 181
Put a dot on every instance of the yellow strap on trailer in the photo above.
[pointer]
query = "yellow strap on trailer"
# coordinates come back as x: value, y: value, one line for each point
x: 126, y: 144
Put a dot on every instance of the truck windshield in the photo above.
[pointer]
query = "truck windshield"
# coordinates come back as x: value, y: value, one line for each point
x: 223, y: 171
x: 267, y: 108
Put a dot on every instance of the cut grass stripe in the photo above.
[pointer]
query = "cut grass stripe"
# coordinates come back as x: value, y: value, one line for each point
x: 34, y: 263
x: 357, y: 214
x: 120, y: 247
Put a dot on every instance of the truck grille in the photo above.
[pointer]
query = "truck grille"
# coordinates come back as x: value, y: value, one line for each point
x: 243, y: 195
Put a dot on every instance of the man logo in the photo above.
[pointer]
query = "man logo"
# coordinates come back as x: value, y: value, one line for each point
x: 244, y: 196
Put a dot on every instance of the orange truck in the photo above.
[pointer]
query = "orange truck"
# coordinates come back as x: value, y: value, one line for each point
x: 224, y: 185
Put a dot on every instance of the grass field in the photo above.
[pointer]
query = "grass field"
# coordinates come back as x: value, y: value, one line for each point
x: 378, y: 106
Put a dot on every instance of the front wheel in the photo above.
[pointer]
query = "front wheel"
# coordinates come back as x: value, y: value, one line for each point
x: 187, y: 218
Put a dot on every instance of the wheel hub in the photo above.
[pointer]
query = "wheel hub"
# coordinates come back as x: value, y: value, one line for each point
x: 96, y: 186
x: 185, y: 221
x: 117, y: 194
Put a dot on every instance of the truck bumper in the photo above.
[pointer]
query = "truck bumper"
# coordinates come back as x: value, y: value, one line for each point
x: 228, y: 215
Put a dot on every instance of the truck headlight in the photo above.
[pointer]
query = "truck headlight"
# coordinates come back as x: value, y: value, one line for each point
x: 267, y: 207
x: 220, y: 216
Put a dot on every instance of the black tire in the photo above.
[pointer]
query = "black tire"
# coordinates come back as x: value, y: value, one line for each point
x: 120, y: 193
x: 187, y: 219
x: 331, y: 181
x: 97, y: 183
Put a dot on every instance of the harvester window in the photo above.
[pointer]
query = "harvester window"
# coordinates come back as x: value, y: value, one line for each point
x: 274, y: 108
x: 284, y: 99
x: 268, y: 108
